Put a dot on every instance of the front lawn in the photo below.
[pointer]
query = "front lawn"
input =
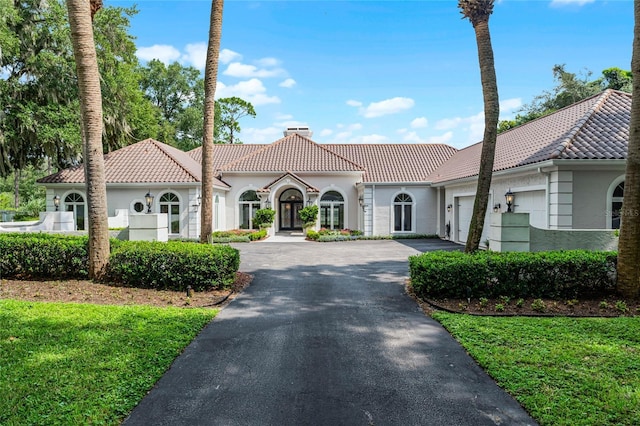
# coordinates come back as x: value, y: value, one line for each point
x: 65, y: 363
x: 564, y: 371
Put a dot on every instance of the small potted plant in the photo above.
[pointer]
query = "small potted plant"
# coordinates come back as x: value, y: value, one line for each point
x: 308, y: 216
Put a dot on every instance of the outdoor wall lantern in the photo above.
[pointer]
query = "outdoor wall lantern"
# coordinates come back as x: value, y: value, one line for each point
x: 510, y: 197
x: 449, y: 207
x: 268, y: 204
x: 496, y: 208
x: 361, y: 201
x: 56, y: 201
x: 309, y: 202
x: 148, y: 198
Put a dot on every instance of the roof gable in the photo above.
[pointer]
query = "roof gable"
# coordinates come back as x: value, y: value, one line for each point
x: 293, y: 153
x: 594, y: 128
x: 310, y: 189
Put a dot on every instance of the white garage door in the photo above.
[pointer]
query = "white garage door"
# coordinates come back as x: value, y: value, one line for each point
x: 464, y: 211
x: 534, y: 203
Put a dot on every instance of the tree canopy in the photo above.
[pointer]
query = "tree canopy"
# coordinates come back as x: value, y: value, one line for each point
x: 570, y: 88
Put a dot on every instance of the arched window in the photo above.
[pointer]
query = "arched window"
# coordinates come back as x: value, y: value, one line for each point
x: 616, y: 205
x: 402, y: 213
x: 332, y: 210
x: 170, y: 204
x: 249, y: 204
x: 74, y: 202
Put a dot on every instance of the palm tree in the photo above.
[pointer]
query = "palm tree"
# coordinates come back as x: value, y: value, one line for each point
x: 210, y: 80
x: 478, y: 12
x: 81, y: 14
x: 629, y: 244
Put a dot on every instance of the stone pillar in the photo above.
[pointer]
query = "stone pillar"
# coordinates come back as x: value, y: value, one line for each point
x: 149, y: 227
x: 509, y: 232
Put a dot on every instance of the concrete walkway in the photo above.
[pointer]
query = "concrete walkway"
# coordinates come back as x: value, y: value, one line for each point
x: 325, y: 335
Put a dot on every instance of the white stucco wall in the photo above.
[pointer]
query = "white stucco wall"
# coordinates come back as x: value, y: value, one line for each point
x: 379, y: 202
x: 342, y: 183
x: 590, y: 206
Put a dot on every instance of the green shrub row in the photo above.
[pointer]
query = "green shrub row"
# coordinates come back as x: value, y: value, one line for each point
x: 172, y: 265
x: 238, y: 236
x: 348, y: 235
x: 551, y: 274
x: 41, y: 255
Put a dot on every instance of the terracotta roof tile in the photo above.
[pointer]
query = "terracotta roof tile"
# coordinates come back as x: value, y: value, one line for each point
x: 224, y: 154
x: 595, y: 128
x: 293, y: 153
x: 147, y: 161
x: 395, y: 162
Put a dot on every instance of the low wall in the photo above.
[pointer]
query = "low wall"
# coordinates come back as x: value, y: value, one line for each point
x: 513, y: 232
x: 572, y: 239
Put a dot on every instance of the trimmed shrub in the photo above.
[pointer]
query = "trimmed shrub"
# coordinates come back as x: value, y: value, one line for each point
x: 312, y: 235
x: 174, y: 265
x: 238, y: 236
x: 41, y: 255
x: 489, y: 274
x: 264, y: 217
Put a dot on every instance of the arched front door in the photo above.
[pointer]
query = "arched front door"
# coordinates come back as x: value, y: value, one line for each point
x: 291, y: 203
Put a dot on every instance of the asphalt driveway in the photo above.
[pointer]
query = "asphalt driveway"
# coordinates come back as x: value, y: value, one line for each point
x: 325, y: 335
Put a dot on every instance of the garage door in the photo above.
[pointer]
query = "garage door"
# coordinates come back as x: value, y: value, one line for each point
x: 534, y: 203
x: 464, y: 211
x: 463, y: 214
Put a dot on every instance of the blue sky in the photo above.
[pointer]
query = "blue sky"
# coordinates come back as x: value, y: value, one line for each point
x: 382, y: 71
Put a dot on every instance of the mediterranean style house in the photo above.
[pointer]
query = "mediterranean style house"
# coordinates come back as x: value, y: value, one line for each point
x: 565, y: 169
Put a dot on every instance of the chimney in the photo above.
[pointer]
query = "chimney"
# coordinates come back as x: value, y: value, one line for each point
x: 302, y: 131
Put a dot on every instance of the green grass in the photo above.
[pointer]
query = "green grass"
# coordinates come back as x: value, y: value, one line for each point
x: 564, y: 371
x: 64, y: 363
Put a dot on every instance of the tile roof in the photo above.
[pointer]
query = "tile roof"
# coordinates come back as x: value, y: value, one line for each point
x: 147, y: 161
x: 395, y: 162
x: 293, y: 153
x: 595, y: 128
x: 224, y: 154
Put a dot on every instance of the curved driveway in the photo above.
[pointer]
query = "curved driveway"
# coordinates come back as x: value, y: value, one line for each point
x: 325, y: 335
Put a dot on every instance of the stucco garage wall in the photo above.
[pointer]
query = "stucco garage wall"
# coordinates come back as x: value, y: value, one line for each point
x: 425, y: 208
x: 590, y: 206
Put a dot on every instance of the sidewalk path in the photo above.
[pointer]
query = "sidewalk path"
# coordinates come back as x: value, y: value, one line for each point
x: 325, y: 335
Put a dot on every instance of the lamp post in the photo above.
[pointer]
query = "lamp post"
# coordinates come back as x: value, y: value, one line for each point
x: 148, y: 198
x: 510, y: 197
x: 56, y: 201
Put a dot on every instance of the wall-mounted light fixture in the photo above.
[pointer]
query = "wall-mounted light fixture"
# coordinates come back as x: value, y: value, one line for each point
x: 496, y: 208
x: 309, y: 202
x: 148, y: 198
x: 361, y: 200
x: 56, y: 201
x: 268, y: 203
x: 449, y: 207
x: 510, y: 197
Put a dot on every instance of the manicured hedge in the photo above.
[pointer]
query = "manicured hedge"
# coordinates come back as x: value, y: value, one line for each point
x: 41, y: 255
x: 551, y: 274
x: 174, y: 265
x: 238, y: 236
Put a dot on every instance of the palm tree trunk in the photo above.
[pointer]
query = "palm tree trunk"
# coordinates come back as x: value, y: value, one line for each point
x: 629, y: 244
x: 80, y: 21
x: 491, y: 114
x: 210, y: 80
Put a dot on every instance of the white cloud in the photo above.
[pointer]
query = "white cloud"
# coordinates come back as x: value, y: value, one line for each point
x: 162, y: 52
x: 268, y: 62
x: 448, y: 123
x: 227, y: 56
x: 239, y: 70
x: 560, y: 3
x: 284, y: 117
x: 473, y: 125
x: 509, y: 105
x: 373, y: 138
x: 326, y: 132
x: 290, y: 123
x: 354, y: 126
x: 353, y: 103
x: 196, y: 55
x: 288, y: 83
x: 250, y: 90
x: 419, y: 123
x: 386, y: 107
x: 444, y: 138
x: 265, y: 135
